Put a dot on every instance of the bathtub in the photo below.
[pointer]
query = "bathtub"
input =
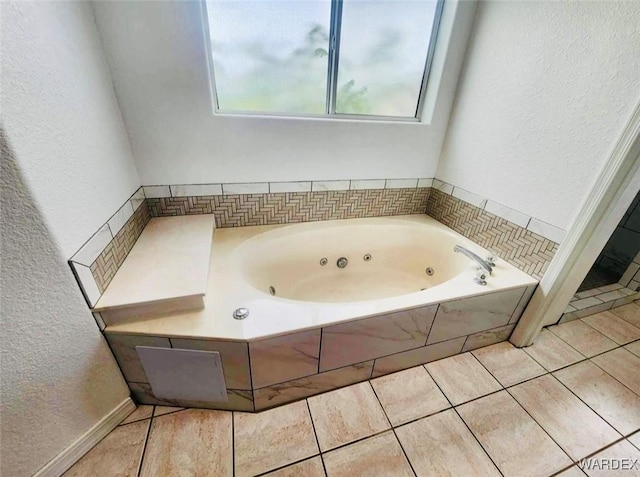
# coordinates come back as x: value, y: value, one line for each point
x: 403, y: 298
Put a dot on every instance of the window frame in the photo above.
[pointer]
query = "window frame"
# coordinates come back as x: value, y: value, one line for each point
x: 332, y: 74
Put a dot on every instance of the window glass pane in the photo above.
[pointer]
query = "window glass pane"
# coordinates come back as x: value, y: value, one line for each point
x: 270, y: 56
x: 383, y: 48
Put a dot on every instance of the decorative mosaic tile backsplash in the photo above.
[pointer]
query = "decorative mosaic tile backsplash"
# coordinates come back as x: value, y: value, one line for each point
x: 522, y: 248
x: 97, y: 262
x: 110, y: 260
x: 239, y: 210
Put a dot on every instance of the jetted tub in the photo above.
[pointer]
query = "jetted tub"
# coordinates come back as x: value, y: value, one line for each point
x: 403, y: 298
x: 275, y: 272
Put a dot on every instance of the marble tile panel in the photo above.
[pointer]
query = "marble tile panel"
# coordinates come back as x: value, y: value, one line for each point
x: 367, y: 184
x: 307, y: 468
x: 515, y: 442
x: 311, y: 385
x: 622, y: 365
x: 546, y: 230
x: 270, y: 439
x: 154, y: 192
x: 627, y: 276
x: 611, y: 296
x: 425, y: 182
x: 94, y: 247
x: 486, y: 338
x: 141, y: 413
x: 522, y: 304
x: 120, y: 218
x: 409, y: 395
x: 234, y: 356
x: 587, y: 293
x: 508, y: 364
x: 137, y: 199
x: 592, y: 310
x: 290, y: 187
x: 625, y: 301
x: 507, y: 213
x: 118, y: 454
x: 551, y: 352
x: 87, y: 283
x: 630, y: 313
x: 442, y: 186
x: 378, y: 455
x: 346, y: 415
x: 577, y: 429
x: 317, y: 186
x: 369, y: 338
x: 586, y: 302
x: 583, y: 337
x: 462, y: 378
x: 634, y: 347
x: 614, y: 327
x: 442, y: 445
x: 608, y: 288
x: 284, y: 358
x: 193, y: 442
x: 621, y: 459
x: 403, y: 184
x: 192, y: 190
x: 415, y: 357
x: 238, y: 399
x: 469, y: 197
x: 124, y: 349
x: 614, y: 402
x: 246, y: 188
x: 471, y: 315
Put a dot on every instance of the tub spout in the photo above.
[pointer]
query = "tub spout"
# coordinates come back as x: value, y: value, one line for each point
x: 485, y: 265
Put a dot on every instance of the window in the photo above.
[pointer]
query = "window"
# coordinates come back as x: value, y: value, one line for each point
x: 332, y: 58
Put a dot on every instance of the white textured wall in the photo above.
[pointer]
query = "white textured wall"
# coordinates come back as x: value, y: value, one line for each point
x: 157, y: 57
x: 67, y: 168
x: 60, y: 112
x: 544, y: 94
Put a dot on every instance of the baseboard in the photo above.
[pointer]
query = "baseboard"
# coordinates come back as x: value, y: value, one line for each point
x: 83, y: 444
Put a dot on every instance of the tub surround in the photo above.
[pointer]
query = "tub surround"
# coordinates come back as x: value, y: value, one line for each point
x: 166, y: 270
x: 266, y: 363
x: 232, y: 285
x: 273, y: 371
x: 529, y: 248
x: 520, y: 239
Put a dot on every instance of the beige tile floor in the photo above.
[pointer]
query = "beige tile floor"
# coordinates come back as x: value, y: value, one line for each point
x: 497, y: 411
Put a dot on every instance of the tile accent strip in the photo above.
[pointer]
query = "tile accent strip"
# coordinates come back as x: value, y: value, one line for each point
x: 98, y: 260
x: 522, y: 248
x: 239, y: 210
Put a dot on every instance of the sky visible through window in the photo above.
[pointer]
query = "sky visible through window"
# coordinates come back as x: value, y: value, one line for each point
x: 273, y: 56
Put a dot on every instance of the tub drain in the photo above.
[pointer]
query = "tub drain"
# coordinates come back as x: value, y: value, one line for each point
x: 430, y: 271
x: 272, y: 291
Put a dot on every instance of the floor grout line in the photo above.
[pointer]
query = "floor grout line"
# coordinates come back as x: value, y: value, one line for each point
x: 313, y: 426
x: 144, y: 447
x: 393, y: 429
x: 233, y: 444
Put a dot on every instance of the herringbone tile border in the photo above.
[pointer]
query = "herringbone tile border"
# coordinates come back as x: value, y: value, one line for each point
x: 527, y: 251
x: 292, y: 207
x: 109, y: 261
